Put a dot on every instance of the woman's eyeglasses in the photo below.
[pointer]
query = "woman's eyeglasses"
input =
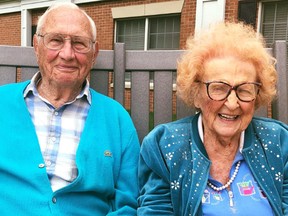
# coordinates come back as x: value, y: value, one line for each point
x: 218, y: 90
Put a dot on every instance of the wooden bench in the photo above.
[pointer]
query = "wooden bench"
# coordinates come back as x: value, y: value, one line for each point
x: 140, y: 64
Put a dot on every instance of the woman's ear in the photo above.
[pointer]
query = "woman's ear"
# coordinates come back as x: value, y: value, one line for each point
x: 196, y: 102
x: 197, y: 99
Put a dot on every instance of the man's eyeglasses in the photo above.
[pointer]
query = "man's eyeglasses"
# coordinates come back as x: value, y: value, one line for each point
x: 246, y: 92
x: 54, y: 41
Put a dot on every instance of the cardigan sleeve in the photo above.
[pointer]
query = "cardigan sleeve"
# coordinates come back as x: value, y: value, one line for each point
x: 153, y: 176
x: 284, y: 143
x: 126, y: 187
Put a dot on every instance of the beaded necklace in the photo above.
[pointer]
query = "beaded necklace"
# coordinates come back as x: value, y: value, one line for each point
x: 230, y: 193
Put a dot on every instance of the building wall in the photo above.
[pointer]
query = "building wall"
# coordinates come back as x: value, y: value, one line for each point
x: 100, y: 12
x: 10, y: 29
x: 231, y: 10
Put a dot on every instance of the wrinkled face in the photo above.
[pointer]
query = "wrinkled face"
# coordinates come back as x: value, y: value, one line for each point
x: 227, y: 118
x: 65, y: 67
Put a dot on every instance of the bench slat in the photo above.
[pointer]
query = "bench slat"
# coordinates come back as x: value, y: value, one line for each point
x: 163, y: 89
x: 140, y: 89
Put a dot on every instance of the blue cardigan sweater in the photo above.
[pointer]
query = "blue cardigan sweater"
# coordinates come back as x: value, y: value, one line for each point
x: 174, y: 153
x: 106, y: 159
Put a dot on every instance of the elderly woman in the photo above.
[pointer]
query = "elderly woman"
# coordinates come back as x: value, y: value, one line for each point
x: 222, y: 161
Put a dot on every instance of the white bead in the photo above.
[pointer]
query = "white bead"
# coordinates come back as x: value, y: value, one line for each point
x: 229, y: 182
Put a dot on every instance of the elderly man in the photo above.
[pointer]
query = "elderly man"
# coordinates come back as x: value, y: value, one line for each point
x: 65, y: 149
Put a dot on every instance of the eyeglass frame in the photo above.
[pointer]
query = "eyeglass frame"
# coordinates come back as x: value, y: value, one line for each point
x: 63, y: 36
x: 231, y: 88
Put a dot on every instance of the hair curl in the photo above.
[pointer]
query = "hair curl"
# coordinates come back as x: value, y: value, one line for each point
x: 224, y: 39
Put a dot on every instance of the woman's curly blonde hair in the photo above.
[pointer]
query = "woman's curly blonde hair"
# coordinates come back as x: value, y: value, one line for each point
x: 223, y: 39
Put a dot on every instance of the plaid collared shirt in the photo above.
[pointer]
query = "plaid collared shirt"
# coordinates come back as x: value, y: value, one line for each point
x: 58, y: 131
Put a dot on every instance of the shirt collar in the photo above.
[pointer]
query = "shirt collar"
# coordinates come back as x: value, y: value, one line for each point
x: 200, y: 130
x: 37, y: 77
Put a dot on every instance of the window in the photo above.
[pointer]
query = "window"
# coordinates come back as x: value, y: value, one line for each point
x: 164, y: 33
x: 154, y: 33
x: 247, y: 12
x: 132, y: 33
x: 274, y: 21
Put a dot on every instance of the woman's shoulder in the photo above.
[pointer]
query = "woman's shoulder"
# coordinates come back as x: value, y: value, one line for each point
x: 262, y: 123
x: 173, y: 133
x: 173, y: 127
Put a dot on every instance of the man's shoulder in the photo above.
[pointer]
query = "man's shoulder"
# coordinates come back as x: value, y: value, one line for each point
x: 96, y: 96
x: 13, y: 88
x: 15, y: 84
x: 101, y: 101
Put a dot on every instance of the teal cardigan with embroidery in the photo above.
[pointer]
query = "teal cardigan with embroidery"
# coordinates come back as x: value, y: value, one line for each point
x: 174, y: 166
x: 106, y: 158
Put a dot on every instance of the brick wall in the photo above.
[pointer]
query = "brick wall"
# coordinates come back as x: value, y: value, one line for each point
x: 231, y: 10
x: 188, y: 17
x: 10, y: 29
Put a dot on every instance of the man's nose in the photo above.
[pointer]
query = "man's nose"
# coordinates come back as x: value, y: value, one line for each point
x: 67, y: 51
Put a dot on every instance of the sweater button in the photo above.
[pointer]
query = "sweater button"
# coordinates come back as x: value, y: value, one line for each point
x: 41, y: 165
x: 54, y: 200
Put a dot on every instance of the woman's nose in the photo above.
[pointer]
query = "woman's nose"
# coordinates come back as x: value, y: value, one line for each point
x: 232, y: 100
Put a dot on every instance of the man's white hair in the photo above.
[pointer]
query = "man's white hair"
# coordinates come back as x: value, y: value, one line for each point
x: 58, y: 5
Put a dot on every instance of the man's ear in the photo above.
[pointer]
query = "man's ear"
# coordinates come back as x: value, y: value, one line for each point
x: 96, y: 52
x: 35, y: 44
